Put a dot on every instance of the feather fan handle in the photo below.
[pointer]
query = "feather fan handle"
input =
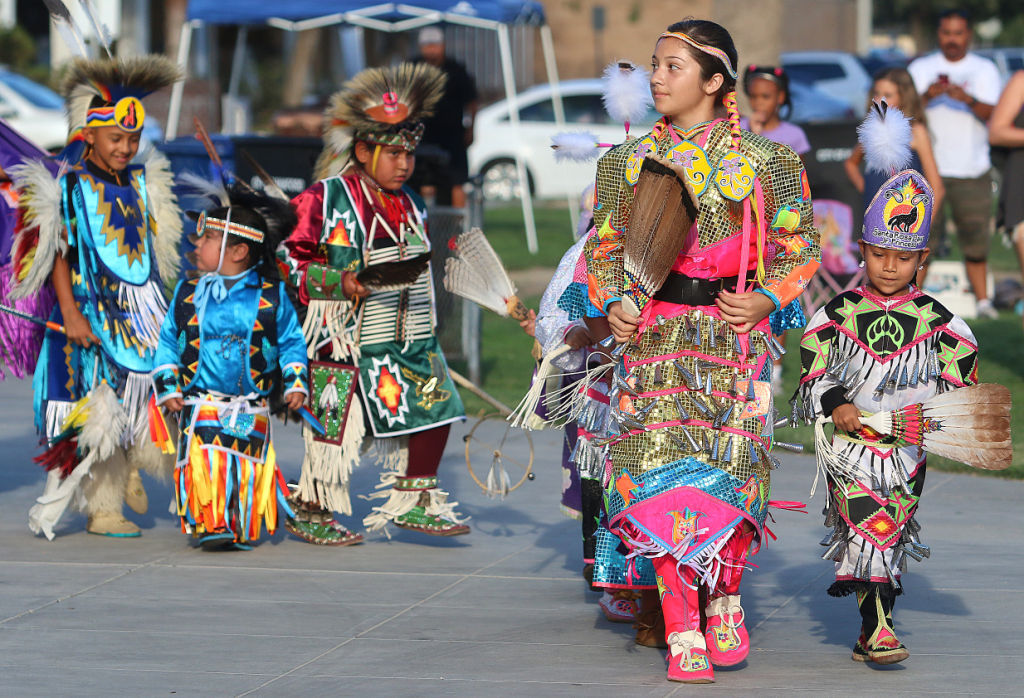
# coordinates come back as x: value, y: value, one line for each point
x: 626, y: 92
x: 970, y: 425
x: 885, y: 136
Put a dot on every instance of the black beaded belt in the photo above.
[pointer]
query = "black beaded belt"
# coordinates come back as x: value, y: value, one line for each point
x: 687, y: 290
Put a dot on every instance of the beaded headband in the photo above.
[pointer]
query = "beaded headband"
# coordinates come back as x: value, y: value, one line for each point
x: 206, y: 223
x: 710, y: 50
x: 127, y: 114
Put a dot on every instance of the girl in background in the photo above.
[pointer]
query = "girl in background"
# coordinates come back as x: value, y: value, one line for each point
x: 896, y: 87
x: 767, y: 90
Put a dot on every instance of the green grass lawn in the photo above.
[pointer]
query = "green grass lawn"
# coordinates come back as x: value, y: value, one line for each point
x: 506, y: 364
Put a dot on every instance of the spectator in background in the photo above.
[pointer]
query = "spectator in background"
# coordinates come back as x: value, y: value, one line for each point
x: 959, y: 89
x: 767, y: 90
x: 450, y: 129
x: 896, y: 87
x: 1006, y: 130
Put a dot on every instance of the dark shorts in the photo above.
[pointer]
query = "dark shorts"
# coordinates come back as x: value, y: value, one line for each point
x: 970, y: 201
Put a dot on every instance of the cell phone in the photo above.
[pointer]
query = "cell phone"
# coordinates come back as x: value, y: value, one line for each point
x: 943, y: 79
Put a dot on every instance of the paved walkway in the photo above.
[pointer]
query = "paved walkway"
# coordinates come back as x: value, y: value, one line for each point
x: 500, y: 612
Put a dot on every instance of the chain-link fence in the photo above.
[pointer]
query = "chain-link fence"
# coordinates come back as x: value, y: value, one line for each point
x: 458, y: 320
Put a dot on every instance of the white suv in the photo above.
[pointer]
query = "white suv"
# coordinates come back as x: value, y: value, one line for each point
x: 835, y: 73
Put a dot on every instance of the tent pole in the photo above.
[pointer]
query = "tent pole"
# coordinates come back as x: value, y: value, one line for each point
x: 178, y: 89
x: 508, y: 74
x: 548, y: 46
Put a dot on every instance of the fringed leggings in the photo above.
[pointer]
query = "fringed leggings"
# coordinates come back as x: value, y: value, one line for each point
x: 679, y: 588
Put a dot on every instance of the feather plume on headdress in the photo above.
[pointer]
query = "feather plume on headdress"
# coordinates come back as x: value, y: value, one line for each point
x: 885, y: 136
x: 380, y: 105
x: 580, y: 146
x: 110, y: 79
x: 627, y: 92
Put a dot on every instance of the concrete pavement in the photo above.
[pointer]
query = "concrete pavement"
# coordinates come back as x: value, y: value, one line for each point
x: 502, y: 611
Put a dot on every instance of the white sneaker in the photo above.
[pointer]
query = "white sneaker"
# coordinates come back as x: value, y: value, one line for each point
x: 987, y: 310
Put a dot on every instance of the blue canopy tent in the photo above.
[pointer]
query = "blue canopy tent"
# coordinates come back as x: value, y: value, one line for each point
x: 300, y: 15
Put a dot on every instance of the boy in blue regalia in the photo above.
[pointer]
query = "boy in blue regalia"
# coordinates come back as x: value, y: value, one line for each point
x: 230, y: 340
x: 106, y: 232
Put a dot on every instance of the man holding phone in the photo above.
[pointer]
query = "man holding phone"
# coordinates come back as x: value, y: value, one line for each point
x: 960, y: 89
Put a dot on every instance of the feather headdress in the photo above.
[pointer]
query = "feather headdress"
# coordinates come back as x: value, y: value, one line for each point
x: 382, y: 106
x: 627, y: 92
x: 111, y: 82
x: 885, y: 136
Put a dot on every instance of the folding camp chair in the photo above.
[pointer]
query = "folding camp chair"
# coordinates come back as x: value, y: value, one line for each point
x: 839, y: 270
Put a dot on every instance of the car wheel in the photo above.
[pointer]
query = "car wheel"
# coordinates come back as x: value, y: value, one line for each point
x: 500, y: 181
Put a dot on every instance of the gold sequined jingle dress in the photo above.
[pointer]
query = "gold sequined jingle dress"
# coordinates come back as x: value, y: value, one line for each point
x: 695, y: 412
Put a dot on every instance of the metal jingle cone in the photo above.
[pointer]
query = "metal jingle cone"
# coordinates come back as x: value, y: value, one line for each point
x: 795, y: 448
x: 892, y: 577
x: 913, y: 553
x: 858, y: 568
x: 774, y: 463
x: 705, y: 410
x: 727, y: 453
x: 773, y: 353
x: 727, y: 414
x: 624, y: 385
x: 882, y: 383
x: 832, y: 553
x: 781, y: 422
x: 904, y: 380
x: 914, y: 525
x: 736, y: 348
x: 752, y: 452
x: 852, y: 379
x: 705, y: 442
x: 852, y: 391
x: 659, y: 377
x: 923, y: 549
x: 714, y: 447
x: 688, y: 377
x: 750, y: 389
x: 683, y: 414
x: 628, y: 420
x: 794, y: 414
x: 712, y: 334
x: 829, y: 539
x: 915, y: 373
x: 708, y: 387
x: 777, y: 344
x: 698, y: 375
x: 936, y: 369
x: 884, y: 489
x: 902, y: 554
x: 677, y: 441
x: 646, y: 409
x: 694, y: 446
x: 608, y: 342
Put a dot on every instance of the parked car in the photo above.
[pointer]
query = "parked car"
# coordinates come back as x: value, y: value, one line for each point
x: 34, y: 110
x: 494, y: 146
x: 836, y: 73
x: 1007, y: 60
x: 811, y: 105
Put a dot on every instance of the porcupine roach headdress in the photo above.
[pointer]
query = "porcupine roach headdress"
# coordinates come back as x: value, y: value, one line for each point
x: 108, y: 92
x: 381, y: 106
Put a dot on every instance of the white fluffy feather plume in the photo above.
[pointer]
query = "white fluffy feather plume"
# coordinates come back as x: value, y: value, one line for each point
x: 41, y: 208
x: 164, y: 205
x: 627, y: 91
x: 885, y: 136
x: 579, y: 146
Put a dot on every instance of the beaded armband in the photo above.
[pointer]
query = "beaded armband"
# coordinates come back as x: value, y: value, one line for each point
x: 165, y: 383
x: 293, y: 377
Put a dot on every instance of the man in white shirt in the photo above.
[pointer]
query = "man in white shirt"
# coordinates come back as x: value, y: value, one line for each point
x: 959, y: 90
